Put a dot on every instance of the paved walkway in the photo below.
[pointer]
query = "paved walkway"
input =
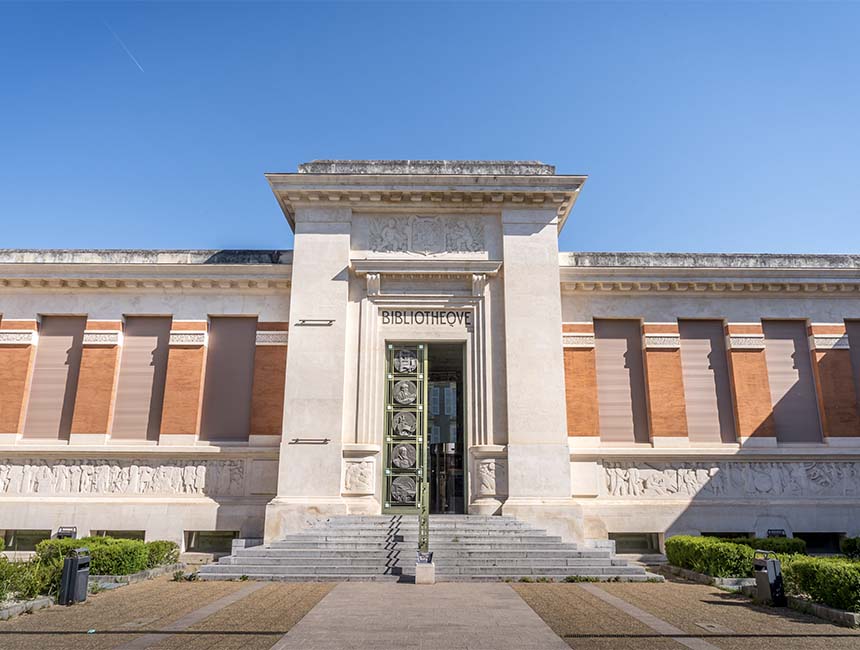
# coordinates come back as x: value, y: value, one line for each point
x: 164, y: 615
x: 377, y: 616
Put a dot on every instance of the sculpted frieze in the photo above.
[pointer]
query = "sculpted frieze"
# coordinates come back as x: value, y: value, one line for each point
x: 100, y: 477
x: 773, y: 479
x: 426, y: 235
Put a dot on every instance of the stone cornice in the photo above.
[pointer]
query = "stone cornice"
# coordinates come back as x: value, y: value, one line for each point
x: 411, y: 192
x: 710, y: 273
x: 421, y: 268
x: 51, y: 276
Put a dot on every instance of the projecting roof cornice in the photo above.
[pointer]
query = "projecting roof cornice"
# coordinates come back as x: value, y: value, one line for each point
x: 417, y: 192
x: 425, y: 268
x: 714, y: 273
x: 166, y: 277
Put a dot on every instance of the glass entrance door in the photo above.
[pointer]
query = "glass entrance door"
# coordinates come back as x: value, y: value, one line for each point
x: 445, y: 428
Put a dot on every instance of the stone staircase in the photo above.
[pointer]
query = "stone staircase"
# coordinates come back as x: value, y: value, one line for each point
x: 465, y: 548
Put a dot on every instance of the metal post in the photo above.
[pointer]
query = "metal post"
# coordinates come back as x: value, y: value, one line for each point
x: 424, y: 517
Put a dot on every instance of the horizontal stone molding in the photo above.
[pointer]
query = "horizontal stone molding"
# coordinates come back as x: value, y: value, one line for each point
x: 829, y: 342
x: 185, y: 338
x: 101, y: 477
x: 731, y: 479
x: 745, y: 342
x: 18, y: 337
x: 662, y: 341
x: 162, y: 284
x: 102, y: 337
x: 777, y: 287
x: 265, y: 337
x: 584, y: 341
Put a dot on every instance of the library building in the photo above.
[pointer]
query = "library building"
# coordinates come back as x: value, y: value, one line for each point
x: 426, y: 345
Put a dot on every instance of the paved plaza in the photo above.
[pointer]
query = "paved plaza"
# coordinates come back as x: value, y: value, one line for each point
x: 167, y: 615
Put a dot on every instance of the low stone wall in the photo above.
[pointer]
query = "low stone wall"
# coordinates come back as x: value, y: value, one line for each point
x: 24, y: 607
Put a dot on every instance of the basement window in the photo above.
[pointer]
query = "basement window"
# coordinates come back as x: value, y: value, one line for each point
x: 210, y: 541
x: 24, y: 539
x: 636, y: 542
x: 821, y: 543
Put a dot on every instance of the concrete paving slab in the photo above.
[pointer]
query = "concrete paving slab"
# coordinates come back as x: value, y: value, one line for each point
x: 376, y: 616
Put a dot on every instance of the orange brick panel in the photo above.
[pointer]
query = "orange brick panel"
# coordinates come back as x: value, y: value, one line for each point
x: 272, y: 326
x: 267, y: 396
x: 190, y: 326
x: 580, y: 387
x: 18, y: 325
x: 110, y: 325
x: 15, y: 365
x: 666, y: 393
x: 838, y: 401
x: 660, y: 328
x: 753, y: 407
x: 577, y: 328
x: 753, y: 328
x: 95, y: 390
x: 182, y: 390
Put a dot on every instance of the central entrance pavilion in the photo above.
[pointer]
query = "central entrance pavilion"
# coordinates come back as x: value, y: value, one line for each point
x: 409, y: 279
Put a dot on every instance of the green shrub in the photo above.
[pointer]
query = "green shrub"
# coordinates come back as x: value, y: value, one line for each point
x: 710, y: 555
x: 851, y: 547
x: 787, y: 545
x: 162, y: 552
x: 26, y: 580
x: 108, y: 556
x: 834, y: 582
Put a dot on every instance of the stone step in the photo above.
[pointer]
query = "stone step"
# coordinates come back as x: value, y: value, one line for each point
x: 465, y: 547
x: 408, y: 561
x: 466, y: 539
x: 409, y: 553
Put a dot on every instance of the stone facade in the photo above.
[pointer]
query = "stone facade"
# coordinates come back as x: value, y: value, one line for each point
x: 747, y: 368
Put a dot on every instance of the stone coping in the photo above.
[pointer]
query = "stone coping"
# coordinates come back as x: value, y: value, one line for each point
x: 143, y: 256
x: 443, y: 167
x: 747, y: 587
x: 709, y: 260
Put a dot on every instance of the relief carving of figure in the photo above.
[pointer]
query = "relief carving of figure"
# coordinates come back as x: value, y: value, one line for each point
x: 403, y: 423
x: 464, y: 235
x: 359, y: 477
x: 487, y: 474
x: 405, y: 361
x: 389, y: 235
x: 403, y: 489
x: 405, y: 392
x: 403, y: 456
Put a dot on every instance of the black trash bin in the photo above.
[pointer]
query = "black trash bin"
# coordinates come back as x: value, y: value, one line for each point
x: 768, y: 578
x: 67, y: 532
x: 75, y: 578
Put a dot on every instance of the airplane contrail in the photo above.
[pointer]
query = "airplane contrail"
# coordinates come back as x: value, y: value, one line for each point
x: 127, y: 51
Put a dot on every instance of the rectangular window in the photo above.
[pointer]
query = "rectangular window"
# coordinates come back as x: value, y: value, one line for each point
x: 229, y: 379
x: 142, y: 371
x: 24, y: 540
x: 55, y: 377
x: 210, y: 541
x: 792, y: 387
x: 621, y: 397
x: 852, y: 327
x: 707, y: 387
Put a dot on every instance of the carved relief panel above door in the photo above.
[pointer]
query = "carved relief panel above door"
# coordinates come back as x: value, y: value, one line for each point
x: 426, y: 235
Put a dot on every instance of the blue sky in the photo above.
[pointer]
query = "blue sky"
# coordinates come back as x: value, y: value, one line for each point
x: 702, y: 126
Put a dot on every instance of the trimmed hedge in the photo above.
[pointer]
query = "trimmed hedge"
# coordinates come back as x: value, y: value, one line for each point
x: 710, y: 555
x: 850, y: 546
x: 834, y: 582
x: 161, y: 552
x: 26, y: 580
x: 110, y: 556
x: 788, y: 545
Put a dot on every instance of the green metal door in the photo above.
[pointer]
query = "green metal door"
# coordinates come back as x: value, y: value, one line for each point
x: 405, y: 428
